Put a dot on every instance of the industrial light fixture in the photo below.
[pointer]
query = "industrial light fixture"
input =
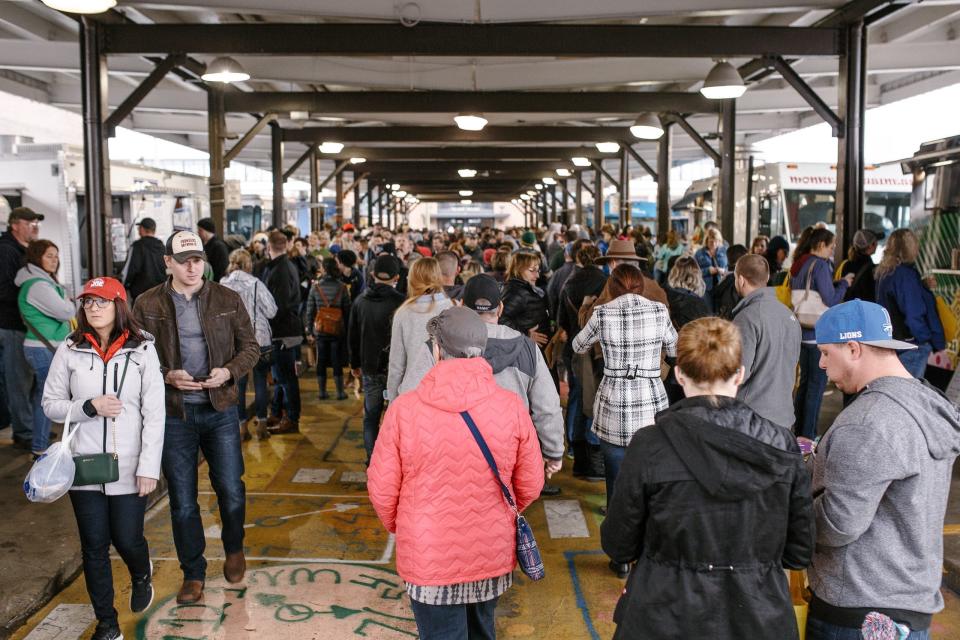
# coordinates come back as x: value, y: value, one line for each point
x: 467, y: 173
x: 395, y: 186
x: 399, y: 194
x: 549, y: 180
x: 81, y: 6
x: 225, y: 69
x: 466, y: 201
x: 647, y: 127
x: 608, y: 147
x: 723, y: 82
x: 564, y: 173
x: 524, y: 196
x: 538, y: 186
x: 331, y: 147
x: 357, y: 160
x: 531, y: 192
x: 470, y: 122
x: 580, y: 161
x: 466, y: 193
x: 299, y: 115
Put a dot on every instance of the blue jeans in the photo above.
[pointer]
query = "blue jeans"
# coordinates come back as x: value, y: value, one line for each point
x: 104, y: 520
x: 40, y: 359
x: 260, y: 392
x: 809, y: 396
x: 578, y: 425
x: 915, y: 360
x: 216, y: 434
x: 820, y: 630
x: 612, y: 459
x: 455, y: 622
x: 18, y: 377
x: 286, y: 388
x: 373, y: 388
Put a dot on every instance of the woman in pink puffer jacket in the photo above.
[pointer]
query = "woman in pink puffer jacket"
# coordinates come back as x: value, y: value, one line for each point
x: 430, y: 484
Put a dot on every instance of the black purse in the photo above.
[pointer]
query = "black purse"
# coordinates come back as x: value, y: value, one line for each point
x: 101, y: 468
x: 528, y: 553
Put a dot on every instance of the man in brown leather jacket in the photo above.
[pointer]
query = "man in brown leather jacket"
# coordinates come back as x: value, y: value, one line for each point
x: 205, y: 343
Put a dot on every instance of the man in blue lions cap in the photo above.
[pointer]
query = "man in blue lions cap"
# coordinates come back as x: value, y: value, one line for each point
x: 880, y: 483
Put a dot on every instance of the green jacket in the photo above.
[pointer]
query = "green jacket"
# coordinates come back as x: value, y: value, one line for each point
x: 43, y: 305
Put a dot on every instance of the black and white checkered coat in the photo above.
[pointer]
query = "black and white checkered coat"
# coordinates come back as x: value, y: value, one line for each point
x: 632, y: 332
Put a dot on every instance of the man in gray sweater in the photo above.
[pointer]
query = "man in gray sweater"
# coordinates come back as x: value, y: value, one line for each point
x: 880, y: 483
x: 770, y: 336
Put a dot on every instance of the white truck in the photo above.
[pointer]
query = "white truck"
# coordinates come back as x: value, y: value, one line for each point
x: 49, y: 178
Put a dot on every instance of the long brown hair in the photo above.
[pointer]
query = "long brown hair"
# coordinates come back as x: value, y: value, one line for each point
x: 626, y: 278
x: 124, y: 321
x: 902, y: 248
x: 34, y: 255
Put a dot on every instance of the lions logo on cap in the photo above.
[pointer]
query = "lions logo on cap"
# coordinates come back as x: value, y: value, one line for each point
x: 887, y: 326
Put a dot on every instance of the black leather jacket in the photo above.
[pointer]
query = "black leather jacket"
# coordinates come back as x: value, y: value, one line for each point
x: 525, y: 307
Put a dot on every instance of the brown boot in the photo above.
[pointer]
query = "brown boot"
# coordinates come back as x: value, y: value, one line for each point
x: 191, y: 592
x: 273, y: 421
x: 260, y: 426
x: 286, y: 426
x: 234, y: 567
x: 244, y: 432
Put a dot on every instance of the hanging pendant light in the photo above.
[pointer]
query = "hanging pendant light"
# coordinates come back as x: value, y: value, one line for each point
x: 467, y: 173
x: 331, y: 147
x: 81, y: 6
x: 723, y: 82
x: 647, y: 127
x: 470, y: 122
x: 580, y: 161
x: 608, y: 147
x: 225, y: 69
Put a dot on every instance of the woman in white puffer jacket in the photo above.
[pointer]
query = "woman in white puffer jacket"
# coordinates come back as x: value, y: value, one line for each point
x: 106, y: 376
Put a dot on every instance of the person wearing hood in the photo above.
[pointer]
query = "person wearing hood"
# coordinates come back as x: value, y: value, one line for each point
x: 881, y: 478
x: 368, y: 341
x: 105, y: 380
x: 812, y: 269
x: 431, y: 485
x: 519, y: 366
x: 776, y: 254
x: 712, y: 503
x: 46, y: 313
x: 261, y: 307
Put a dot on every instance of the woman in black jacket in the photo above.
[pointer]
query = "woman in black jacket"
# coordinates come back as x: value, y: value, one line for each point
x: 525, y: 305
x: 859, y: 262
x: 712, y: 503
x: 685, y: 289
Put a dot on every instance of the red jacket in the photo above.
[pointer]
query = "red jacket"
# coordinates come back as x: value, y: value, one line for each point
x: 431, y: 485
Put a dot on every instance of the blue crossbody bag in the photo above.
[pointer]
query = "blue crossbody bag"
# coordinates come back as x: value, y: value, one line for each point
x: 528, y: 554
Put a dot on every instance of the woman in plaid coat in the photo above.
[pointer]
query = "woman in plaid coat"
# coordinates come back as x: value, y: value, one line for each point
x: 632, y: 332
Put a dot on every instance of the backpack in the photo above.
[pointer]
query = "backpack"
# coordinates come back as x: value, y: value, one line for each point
x: 329, y: 318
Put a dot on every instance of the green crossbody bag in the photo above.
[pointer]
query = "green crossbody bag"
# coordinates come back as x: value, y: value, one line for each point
x: 101, y: 468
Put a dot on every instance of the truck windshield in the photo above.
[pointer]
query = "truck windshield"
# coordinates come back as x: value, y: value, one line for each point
x: 883, y: 211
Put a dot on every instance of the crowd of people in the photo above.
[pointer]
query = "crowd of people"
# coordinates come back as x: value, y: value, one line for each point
x: 693, y: 373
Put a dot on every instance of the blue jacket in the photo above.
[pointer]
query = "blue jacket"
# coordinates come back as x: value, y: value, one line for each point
x: 912, y: 307
x: 705, y: 261
x: 830, y: 292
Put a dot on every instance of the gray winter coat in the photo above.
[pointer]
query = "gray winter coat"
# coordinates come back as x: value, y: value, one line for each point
x: 44, y: 298
x: 519, y: 366
x: 251, y: 289
x: 771, y: 348
x: 78, y: 374
x: 881, y: 479
x: 410, y: 359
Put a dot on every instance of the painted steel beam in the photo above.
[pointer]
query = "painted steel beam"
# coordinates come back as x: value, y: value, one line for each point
x: 141, y: 91
x: 426, y: 39
x: 467, y: 101
x: 467, y: 153
x: 249, y: 136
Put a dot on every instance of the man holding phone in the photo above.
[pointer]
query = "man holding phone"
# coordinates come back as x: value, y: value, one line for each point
x: 205, y: 343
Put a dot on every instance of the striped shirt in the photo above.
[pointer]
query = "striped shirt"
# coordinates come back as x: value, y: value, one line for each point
x: 463, y: 593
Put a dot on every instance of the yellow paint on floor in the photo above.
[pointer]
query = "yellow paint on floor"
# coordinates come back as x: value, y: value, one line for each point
x: 321, y: 566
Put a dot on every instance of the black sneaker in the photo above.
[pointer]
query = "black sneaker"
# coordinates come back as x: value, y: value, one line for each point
x: 109, y: 631
x: 141, y: 593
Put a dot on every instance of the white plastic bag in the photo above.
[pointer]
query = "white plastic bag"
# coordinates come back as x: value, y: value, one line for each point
x: 51, y: 476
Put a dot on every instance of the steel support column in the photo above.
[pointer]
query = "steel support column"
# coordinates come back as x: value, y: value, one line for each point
x: 728, y: 145
x: 339, y: 200
x: 316, y: 208
x: 276, y: 163
x: 851, y: 84
x: 96, y: 157
x: 664, y: 162
x: 597, y: 201
x: 369, y: 204
x: 553, y: 203
x: 565, y: 187
x: 356, y: 198
x: 624, y: 190
x: 578, y: 212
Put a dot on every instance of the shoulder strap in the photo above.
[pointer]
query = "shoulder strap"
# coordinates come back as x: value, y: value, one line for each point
x: 255, y: 305
x: 326, y: 301
x: 39, y: 335
x: 488, y: 456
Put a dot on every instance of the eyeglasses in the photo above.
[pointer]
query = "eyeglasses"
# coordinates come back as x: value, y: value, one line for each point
x: 99, y: 303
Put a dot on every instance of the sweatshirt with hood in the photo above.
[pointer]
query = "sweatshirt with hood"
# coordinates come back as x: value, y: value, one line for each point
x: 880, y: 483
x: 712, y: 502
x: 44, y: 304
x: 519, y: 366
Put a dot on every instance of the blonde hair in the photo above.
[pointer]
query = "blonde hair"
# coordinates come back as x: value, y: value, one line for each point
x: 521, y: 261
x: 686, y: 274
x: 902, y: 248
x: 471, y: 269
x: 709, y: 350
x: 713, y: 233
x: 424, y: 278
x: 240, y: 260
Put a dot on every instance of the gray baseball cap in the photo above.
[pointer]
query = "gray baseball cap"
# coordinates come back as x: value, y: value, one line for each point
x: 459, y: 331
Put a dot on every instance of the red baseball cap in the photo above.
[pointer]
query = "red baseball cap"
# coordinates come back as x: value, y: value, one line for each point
x: 349, y: 227
x: 106, y: 288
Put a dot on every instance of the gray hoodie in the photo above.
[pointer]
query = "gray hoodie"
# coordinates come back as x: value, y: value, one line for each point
x: 771, y: 348
x: 880, y: 485
x: 519, y: 366
x: 43, y: 296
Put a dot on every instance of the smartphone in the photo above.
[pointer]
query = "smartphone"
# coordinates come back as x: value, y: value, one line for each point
x: 201, y: 378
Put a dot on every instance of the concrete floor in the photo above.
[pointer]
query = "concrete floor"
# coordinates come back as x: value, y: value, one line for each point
x: 320, y: 565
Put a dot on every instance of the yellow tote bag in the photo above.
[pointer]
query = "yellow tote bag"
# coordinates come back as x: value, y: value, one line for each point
x: 948, y: 319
